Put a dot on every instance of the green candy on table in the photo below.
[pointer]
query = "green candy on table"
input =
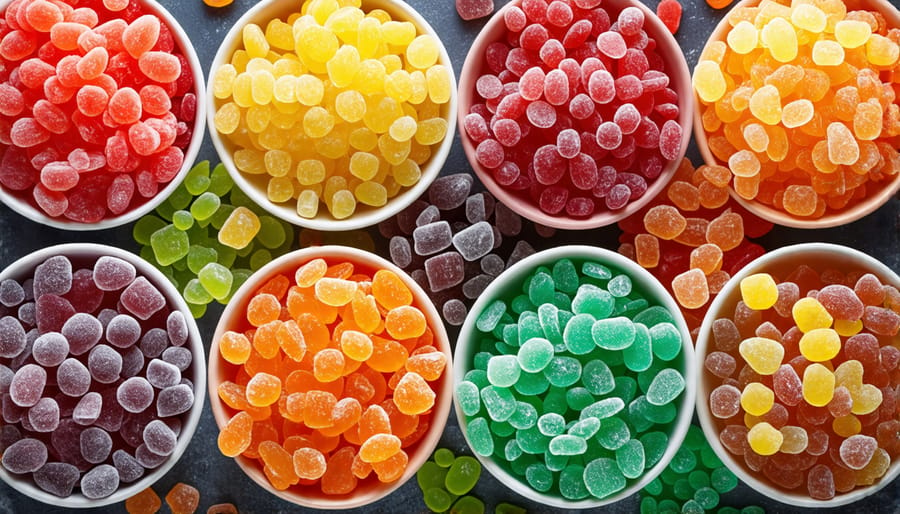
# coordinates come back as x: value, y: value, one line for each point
x: 445, y: 481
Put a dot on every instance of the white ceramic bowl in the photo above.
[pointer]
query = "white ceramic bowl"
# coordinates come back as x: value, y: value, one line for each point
x: 25, y: 208
x: 85, y: 254
x: 369, y: 490
x: 255, y: 186
x: 819, y: 256
x: 511, y: 280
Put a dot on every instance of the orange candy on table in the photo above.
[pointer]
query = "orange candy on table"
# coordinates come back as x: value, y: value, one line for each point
x: 330, y: 378
x: 183, y: 499
x: 144, y: 502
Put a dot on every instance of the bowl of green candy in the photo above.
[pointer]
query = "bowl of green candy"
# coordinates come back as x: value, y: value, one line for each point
x: 575, y: 377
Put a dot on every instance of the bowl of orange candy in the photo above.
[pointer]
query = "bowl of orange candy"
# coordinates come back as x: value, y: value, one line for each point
x: 329, y: 377
x: 797, y: 102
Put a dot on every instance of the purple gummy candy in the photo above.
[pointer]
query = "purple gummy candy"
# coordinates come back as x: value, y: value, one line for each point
x: 105, y: 364
x: 177, y: 328
x: 84, y: 295
x: 401, y: 253
x: 11, y: 293
x: 27, y: 314
x: 162, y: 374
x: 106, y: 315
x: 112, y: 414
x: 123, y: 331
x: 95, y: 444
x: 128, y: 467
x: 65, y: 442
x: 159, y: 438
x: 132, y: 362
x: 474, y: 242
x: 135, y: 394
x: 147, y: 458
x: 12, y: 413
x: 83, y: 331
x: 28, y: 286
x: 180, y: 357
x: 100, y: 482
x: 520, y: 251
x: 492, y: 264
x: 27, y: 385
x: 25, y: 456
x: 53, y: 276
x: 154, y: 342
x: 476, y: 285
x: 12, y: 337
x: 8, y: 435
x: 429, y: 215
x: 51, y: 312
x: 112, y: 273
x: 132, y: 431
x: 475, y: 208
x: 445, y: 271
x: 88, y: 409
x: 50, y: 349
x: 174, y: 400
x: 57, y: 478
x: 454, y: 311
x: 44, y: 416
x: 142, y: 298
x: 432, y: 238
x: 6, y: 376
x: 73, y: 378
x: 451, y: 191
x: 508, y: 222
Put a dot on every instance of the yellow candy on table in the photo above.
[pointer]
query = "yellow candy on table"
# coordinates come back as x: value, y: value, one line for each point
x: 759, y: 291
x: 765, y: 439
x: 757, y: 399
x: 818, y: 385
x: 820, y: 344
x: 239, y: 228
x: 809, y: 314
x: 763, y: 355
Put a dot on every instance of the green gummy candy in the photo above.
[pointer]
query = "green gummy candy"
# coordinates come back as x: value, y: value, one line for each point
x: 430, y: 475
x: 444, y: 457
x: 502, y: 428
x: 699, y: 478
x: 556, y: 463
x: 205, y: 206
x: 183, y: 220
x: 597, y: 377
x: 592, y: 300
x: 565, y: 276
x: 197, y: 179
x: 539, y: 477
x: 548, y: 316
x: 260, y: 258
x: 180, y: 198
x: 478, y: 377
x: 512, y: 451
x: 222, y: 214
x: 567, y: 445
x: 220, y: 182
x: 508, y: 508
x: 480, y: 437
x: 604, y: 408
x: 521, y: 304
x: 551, y: 424
x: 753, y: 509
x: 145, y: 227
x: 655, y: 444
x: 577, y: 334
x: 467, y: 505
x: 577, y: 398
x: 531, y: 384
x: 630, y: 459
x: 530, y: 328
x: 197, y: 310
x: 626, y: 388
x: 526, y: 416
x: 619, y: 286
x: 692, y: 507
x: 586, y: 428
x: 195, y: 293
x: 169, y: 245
x: 596, y: 270
x: 639, y: 356
x: 240, y: 275
x: 665, y: 340
x: 668, y: 506
x: 728, y: 510
x: 659, y: 414
x: 649, y: 505
x: 499, y: 402
x: 707, y: 497
x: 555, y: 401
x: 613, y: 333
x: 666, y: 386
x: 489, y: 318
x: 437, y: 499
x: 571, y: 483
x: 469, y: 398
x: 613, y: 434
x: 271, y: 232
x: 723, y: 480
x: 541, y: 289
x: 694, y: 439
x: 684, y: 461
x: 503, y: 370
x: 682, y: 489
x: 216, y: 279
x: 563, y: 371
x: 532, y: 441
x: 535, y: 354
x: 199, y: 256
x: 463, y: 474
x: 481, y: 360
x: 655, y: 487
x: 603, y: 478
x: 652, y: 316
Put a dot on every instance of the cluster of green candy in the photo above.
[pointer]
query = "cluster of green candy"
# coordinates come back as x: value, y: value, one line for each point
x: 692, y: 482
x: 446, y: 480
x: 182, y: 237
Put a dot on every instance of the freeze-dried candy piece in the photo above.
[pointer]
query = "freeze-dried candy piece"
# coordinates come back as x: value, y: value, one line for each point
x: 401, y: 253
x: 451, y: 191
x: 474, y: 242
x: 432, y: 238
x: 445, y: 271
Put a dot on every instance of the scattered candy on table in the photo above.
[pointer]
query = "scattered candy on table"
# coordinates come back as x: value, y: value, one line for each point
x: 800, y: 103
x: 336, y: 106
x: 325, y: 415
x: 808, y: 379
x: 97, y: 107
x: 96, y: 376
x: 574, y: 110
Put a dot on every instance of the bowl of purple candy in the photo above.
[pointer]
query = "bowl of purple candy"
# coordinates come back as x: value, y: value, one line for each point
x: 102, y: 375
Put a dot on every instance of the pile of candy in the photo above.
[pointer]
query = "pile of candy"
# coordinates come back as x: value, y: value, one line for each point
x: 807, y: 375
x: 575, y: 116
x: 95, y: 376
x: 445, y: 481
x: 573, y: 384
x: 97, y: 105
x: 330, y: 415
x: 181, y: 499
x: 333, y: 105
x: 800, y: 102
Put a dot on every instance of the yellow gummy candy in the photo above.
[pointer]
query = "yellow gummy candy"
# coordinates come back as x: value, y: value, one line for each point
x: 250, y: 161
x: 431, y: 131
x: 765, y: 105
x: 762, y: 354
x: 280, y: 35
x: 757, y: 399
x: 254, y: 41
x: 343, y: 66
x: 827, y: 53
x: 780, y: 37
x: 258, y: 118
x: 280, y: 189
x: 820, y: 344
x: 317, y: 122
x: 369, y: 37
x: 239, y: 229
x: 881, y: 51
x: 363, y: 139
x: 398, y: 85
x: 795, y: 440
x: 818, y: 385
x: 422, y: 52
x: 437, y: 79
x: 403, y: 128
x: 847, y: 328
x: 350, y: 105
x: 406, y: 173
x: 371, y: 193
x: 743, y: 38
x: 759, y: 291
x: 865, y: 399
x: 223, y: 81
x: 797, y: 113
x: 398, y: 33
x: 227, y: 118
x: 809, y: 314
x: 809, y: 18
x: 243, y: 90
x: 846, y: 426
x: 363, y: 165
x: 317, y: 43
x: 262, y: 84
x: 308, y: 204
x: 852, y: 33
x: 709, y: 81
x: 370, y: 77
x: 849, y: 374
x: 343, y: 204
x: 765, y: 439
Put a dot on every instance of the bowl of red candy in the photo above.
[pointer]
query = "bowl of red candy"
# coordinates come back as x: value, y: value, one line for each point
x: 99, y: 110
x: 575, y: 115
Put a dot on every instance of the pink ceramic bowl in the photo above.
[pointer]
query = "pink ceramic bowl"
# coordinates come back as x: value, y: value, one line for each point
x: 680, y: 81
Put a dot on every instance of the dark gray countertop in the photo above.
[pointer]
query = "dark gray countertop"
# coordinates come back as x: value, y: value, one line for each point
x: 220, y: 480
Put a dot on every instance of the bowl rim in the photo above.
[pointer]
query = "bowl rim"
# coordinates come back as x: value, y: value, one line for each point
x: 440, y: 411
x: 848, y: 214
x: 25, y: 266
x: 826, y: 251
x: 323, y: 221
x: 680, y: 76
x: 191, y: 152
x: 641, y: 278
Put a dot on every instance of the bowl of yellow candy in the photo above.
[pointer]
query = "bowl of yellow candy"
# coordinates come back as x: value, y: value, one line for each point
x: 797, y: 108
x: 332, y: 118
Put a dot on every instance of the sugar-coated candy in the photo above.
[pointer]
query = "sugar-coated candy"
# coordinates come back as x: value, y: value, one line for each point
x: 183, y: 498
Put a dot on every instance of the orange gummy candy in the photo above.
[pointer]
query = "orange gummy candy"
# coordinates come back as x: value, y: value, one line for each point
x: 309, y: 463
x: 413, y: 395
x: 392, y: 468
x: 405, y: 322
x: 317, y: 412
x: 338, y: 477
x: 234, y: 347
x: 263, y: 390
x: 144, y: 502
x: 183, y: 499
x: 379, y: 447
x: 308, y: 274
x: 262, y: 309
x: 390, y: 291
x: 234, y: 438
x: 278, y: 461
